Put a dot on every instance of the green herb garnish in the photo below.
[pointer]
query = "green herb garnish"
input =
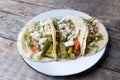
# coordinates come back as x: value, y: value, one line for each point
x: 30, y: 43
x: 95, y: 46
x: 37, y: 25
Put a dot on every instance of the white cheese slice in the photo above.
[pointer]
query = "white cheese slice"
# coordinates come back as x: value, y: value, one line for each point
x: 69, y: 43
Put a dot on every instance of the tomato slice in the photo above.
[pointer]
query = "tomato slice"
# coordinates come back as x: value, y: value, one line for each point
x: 77, y: 46
x: 34, y: 49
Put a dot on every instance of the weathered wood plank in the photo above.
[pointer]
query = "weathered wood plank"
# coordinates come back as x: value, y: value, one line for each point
x: 111, y: 63
x: 105, y: 8
x: 12, y: 67
x: 21, y: 9
x: 10, y: 25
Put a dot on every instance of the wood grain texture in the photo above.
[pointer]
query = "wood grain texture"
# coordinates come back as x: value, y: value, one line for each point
x: 22, y: 9
x: 15, y: 13
x: 10, y: 25
x: 12, y: 67
x: 105, y: 8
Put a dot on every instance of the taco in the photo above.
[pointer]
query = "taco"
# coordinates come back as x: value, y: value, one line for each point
x: 97, y: 36
x: 36, y: 41
x: 71, y: 34
x: 61, y: 39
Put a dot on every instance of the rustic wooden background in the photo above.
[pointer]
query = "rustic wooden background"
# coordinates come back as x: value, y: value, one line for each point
x: 15, y: 13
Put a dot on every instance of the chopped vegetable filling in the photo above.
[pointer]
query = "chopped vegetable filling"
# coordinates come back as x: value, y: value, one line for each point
x: 66, y: 37
x: 68, y: 46
x: 93, y: 36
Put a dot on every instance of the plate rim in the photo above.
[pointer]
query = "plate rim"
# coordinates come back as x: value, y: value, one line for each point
x: 25, y: 60
x: 103, y: 49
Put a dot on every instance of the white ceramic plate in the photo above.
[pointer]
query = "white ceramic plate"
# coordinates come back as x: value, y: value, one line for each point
x: 59, y: 68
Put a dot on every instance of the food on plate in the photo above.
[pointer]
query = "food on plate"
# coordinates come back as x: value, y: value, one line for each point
x: 61, y: 38
x: 36, y: 41
x: 97, y: 36
x: 71, y: 34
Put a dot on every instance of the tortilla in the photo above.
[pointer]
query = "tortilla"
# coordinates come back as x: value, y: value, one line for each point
x: 25, y: 51
x: 84, y: 32
x: 81, y: 25
x: 79, y: 33
x: 102, y: 30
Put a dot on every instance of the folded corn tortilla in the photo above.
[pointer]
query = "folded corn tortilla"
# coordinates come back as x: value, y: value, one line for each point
x: 25, y: 51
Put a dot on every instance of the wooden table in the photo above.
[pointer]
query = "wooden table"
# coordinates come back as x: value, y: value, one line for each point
x: 15, y: 13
